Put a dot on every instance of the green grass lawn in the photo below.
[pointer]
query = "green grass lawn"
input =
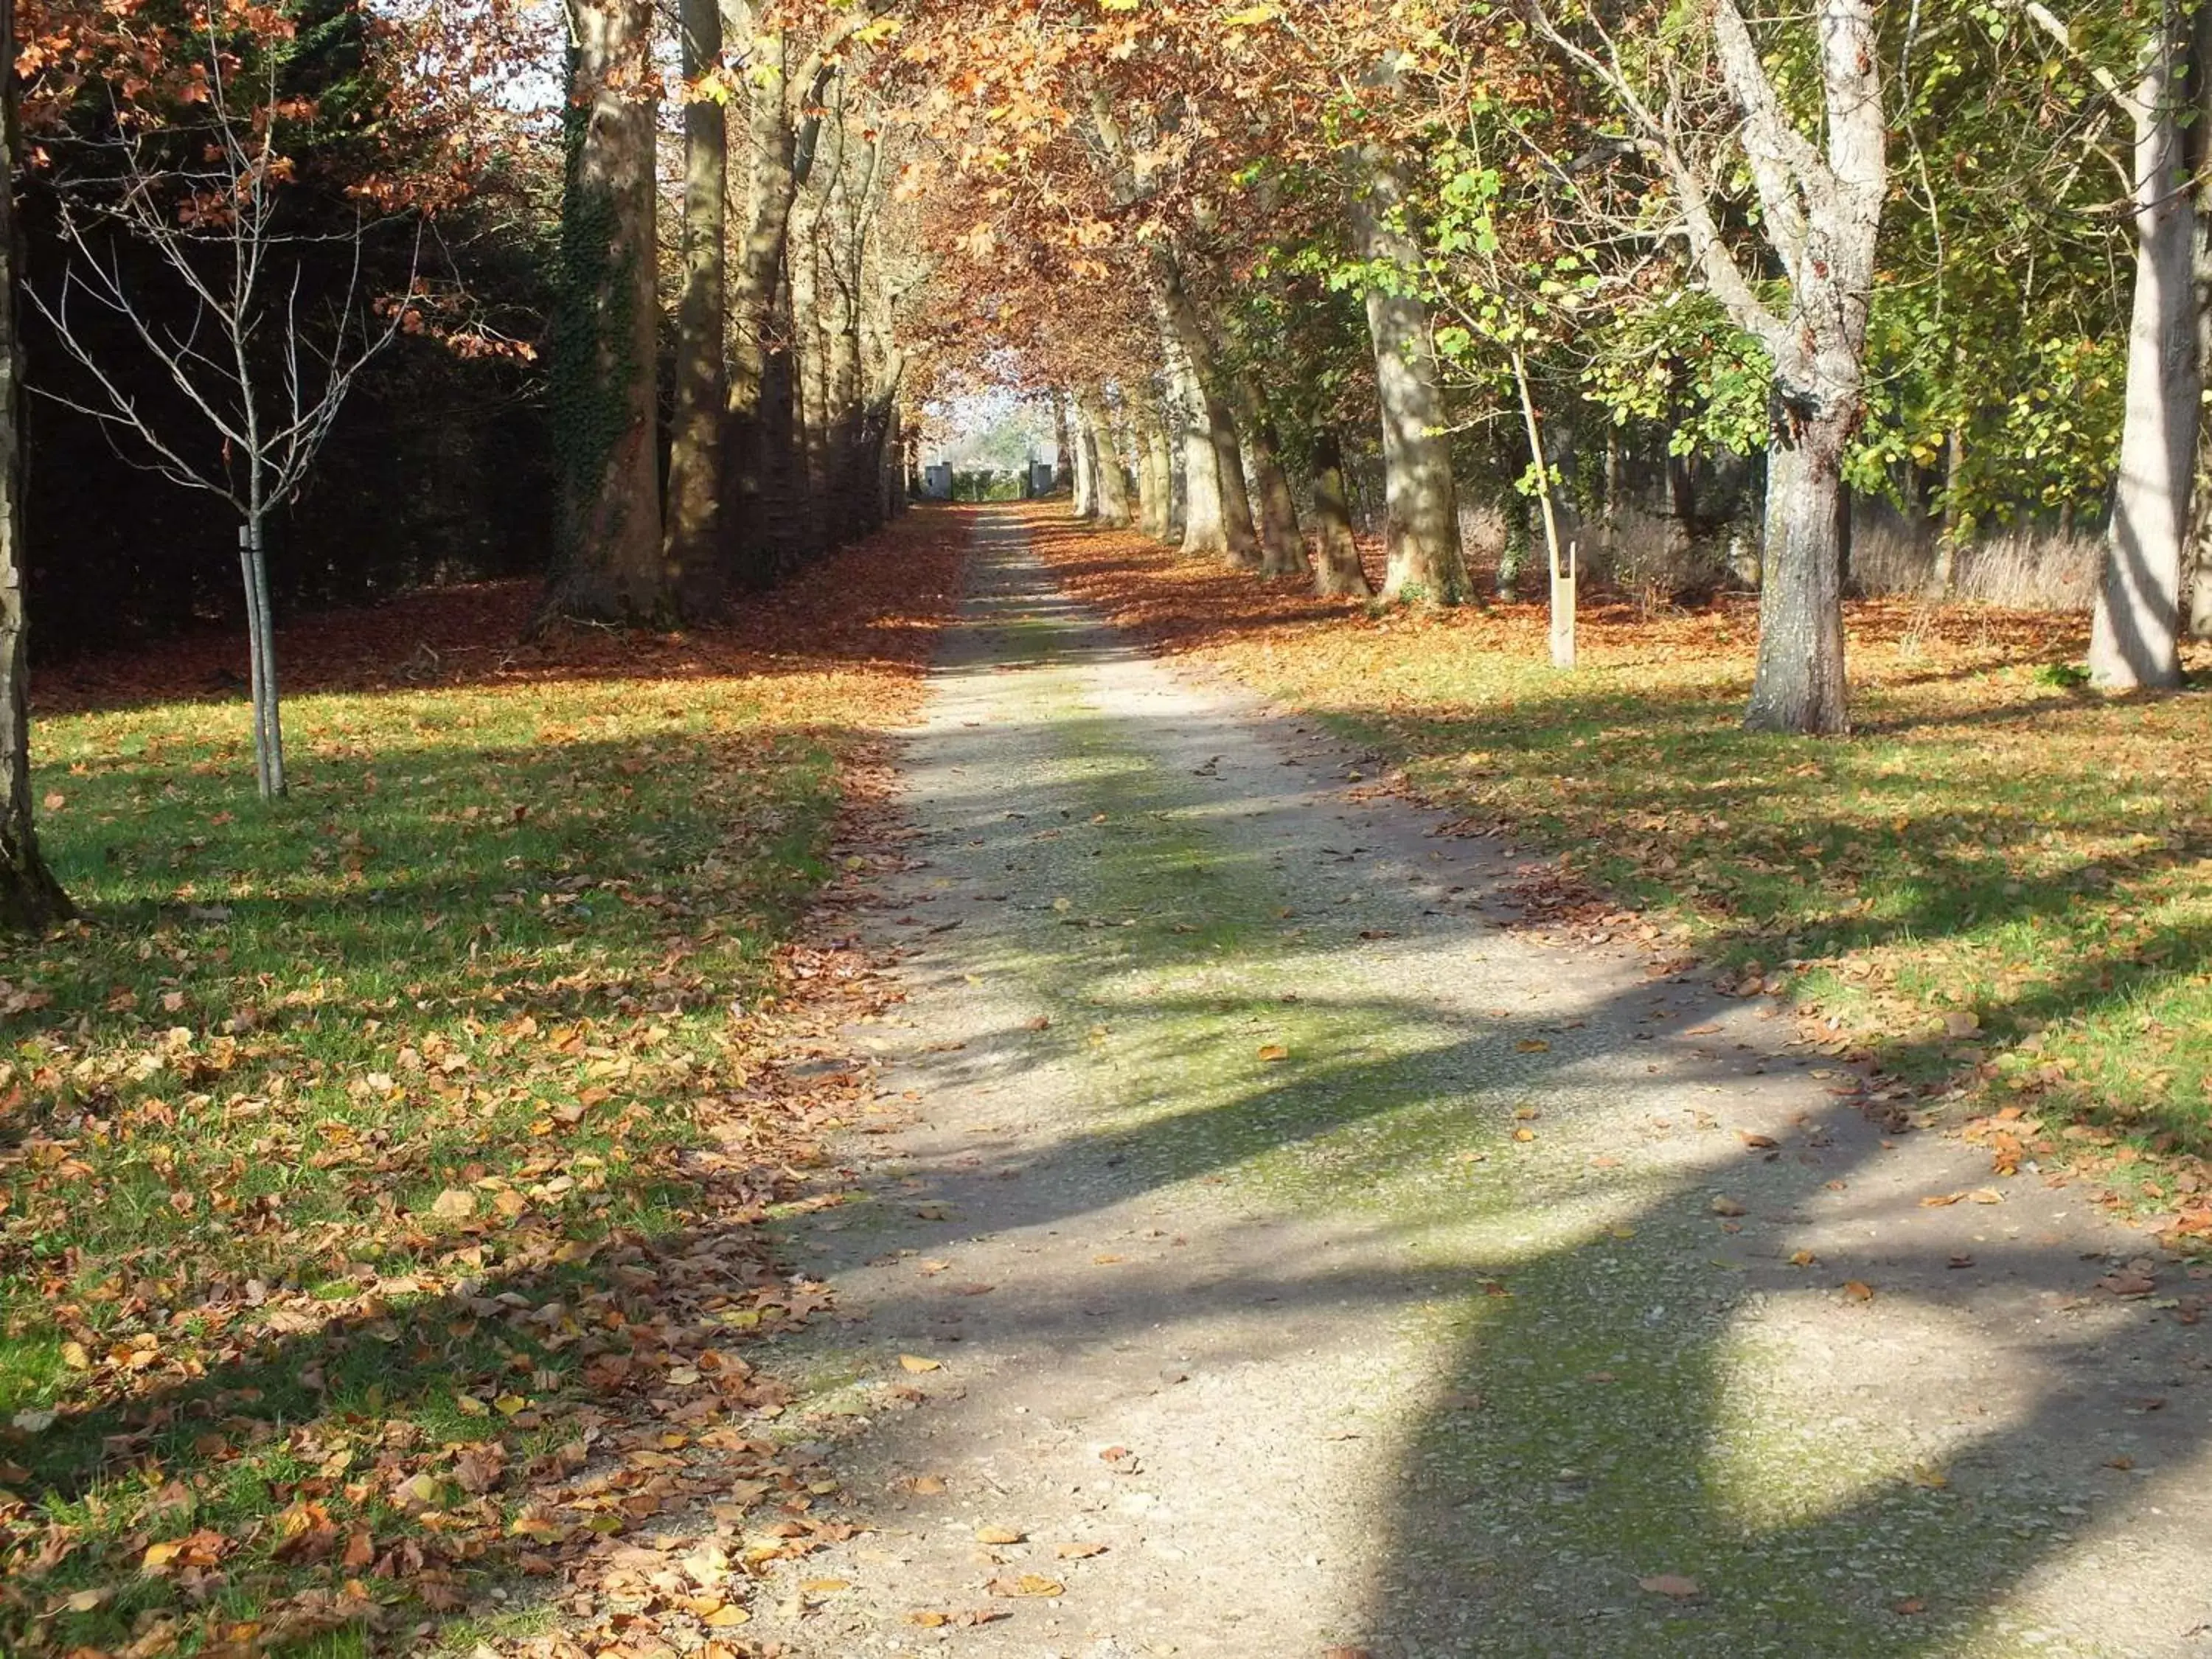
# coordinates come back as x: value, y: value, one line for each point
x: 347, y: 1143
x: 2000, y: 884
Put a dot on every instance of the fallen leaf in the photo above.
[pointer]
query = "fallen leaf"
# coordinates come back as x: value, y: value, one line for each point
x: 1940, y: 1200
x: 1000, y: 1536
x: 1532, y: 1046
x: 1729, y: 1206
x: 1858, y: 1290
x: 916, y: 1364
x: 1029, y: 1583
x: 1077, y: 1552
x: 1804, y: 1259
x: 1910, y: 1606
x: 1670, y: 1583
x: 729, y: 1614
x: 454, y: 1204
x: 1274, y: 1051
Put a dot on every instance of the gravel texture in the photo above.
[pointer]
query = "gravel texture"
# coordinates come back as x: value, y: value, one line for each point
x: 1257, y: 1211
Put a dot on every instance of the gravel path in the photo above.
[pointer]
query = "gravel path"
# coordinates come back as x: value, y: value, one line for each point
x: 1267, y: 1249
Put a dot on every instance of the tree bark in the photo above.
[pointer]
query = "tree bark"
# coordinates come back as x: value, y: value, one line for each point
x: 1084, y: 485
x: 1337, y: 569
x: 1421, y: 508
x: 30, y: 897
x: 692, y: 540
x: 1799, y: 683
x: 1109, y: 492
x: 1943, y: 576
x: 609, y: 312
x: 1063, y: 445
x: 1226, y: 530
x: 1282, y: 548
x: 1155, y: 466
x: 2134, y: 637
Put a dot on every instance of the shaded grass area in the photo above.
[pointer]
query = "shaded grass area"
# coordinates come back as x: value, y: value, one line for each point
x: 1999, y: 882
x: 370, y: 1163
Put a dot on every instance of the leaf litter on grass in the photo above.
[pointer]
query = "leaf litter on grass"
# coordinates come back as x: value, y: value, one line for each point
x: 386, y: 1176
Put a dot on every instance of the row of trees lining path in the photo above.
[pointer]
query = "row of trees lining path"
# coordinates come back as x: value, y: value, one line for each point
x: 1269, y: 261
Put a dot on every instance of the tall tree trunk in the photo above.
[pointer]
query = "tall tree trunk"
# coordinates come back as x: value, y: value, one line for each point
x: 1227, y: 531
x: 1943, y: 576
x: 1282, y: 549
x: 30, y: 897
x: 1202, y: 531
x: 604, y: 337
x: 691, y: 542
x: 1063, y: 443
x: 1799, y: 684
x: 1236, y: 496
x: 1155, y: 468
x: 1337, y: 569
x: 2199, y: 140
x: 2134, y: 639
x: 1109, y: 484
x: 1421, y: 516
x: 1083, y: 482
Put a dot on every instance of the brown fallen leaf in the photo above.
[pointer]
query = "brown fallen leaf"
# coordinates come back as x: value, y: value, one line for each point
x: 1107, y: 1260
x: 1940, y: 1200
x: 1803, y: 1259
x: 1041, y: 1023
x: 2127, y: 1282
x: 1532, y: 1046
x: 454, y: 1204
x: 1908, y: 1606
x: 1000, y: 1536
x: 1272, y: 1051
x: 977, y: 1289
x: 1077, y: 1552
x: 1858, y: 1290
x: 916, y: 1363
x: 1757, y: 1143
x: 1729, y: 1206
x: 926, y: 1485
x: 1029, y: 1583
x: 1671, y: 1584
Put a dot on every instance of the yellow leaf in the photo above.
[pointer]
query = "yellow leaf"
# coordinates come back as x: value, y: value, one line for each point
x: 159, y: 1556
x: 724, y: 1616
x: 74, y: 1355
x: 508, y: 1404
x: 469, y: 1406
x: 1274, y: 1051
x: 1532, y: 1046
x: 825, y: 1586
x: 999, y: 1534
x: 916, y: 1364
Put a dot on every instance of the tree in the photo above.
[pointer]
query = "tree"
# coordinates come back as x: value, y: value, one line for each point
x: 30, y: 897
x: 2134, y: 637
x: 605, y: 337
x: 691, y: 536
x: 1820, y: 207
x: 259, y: 383
x: 1421, y: 506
